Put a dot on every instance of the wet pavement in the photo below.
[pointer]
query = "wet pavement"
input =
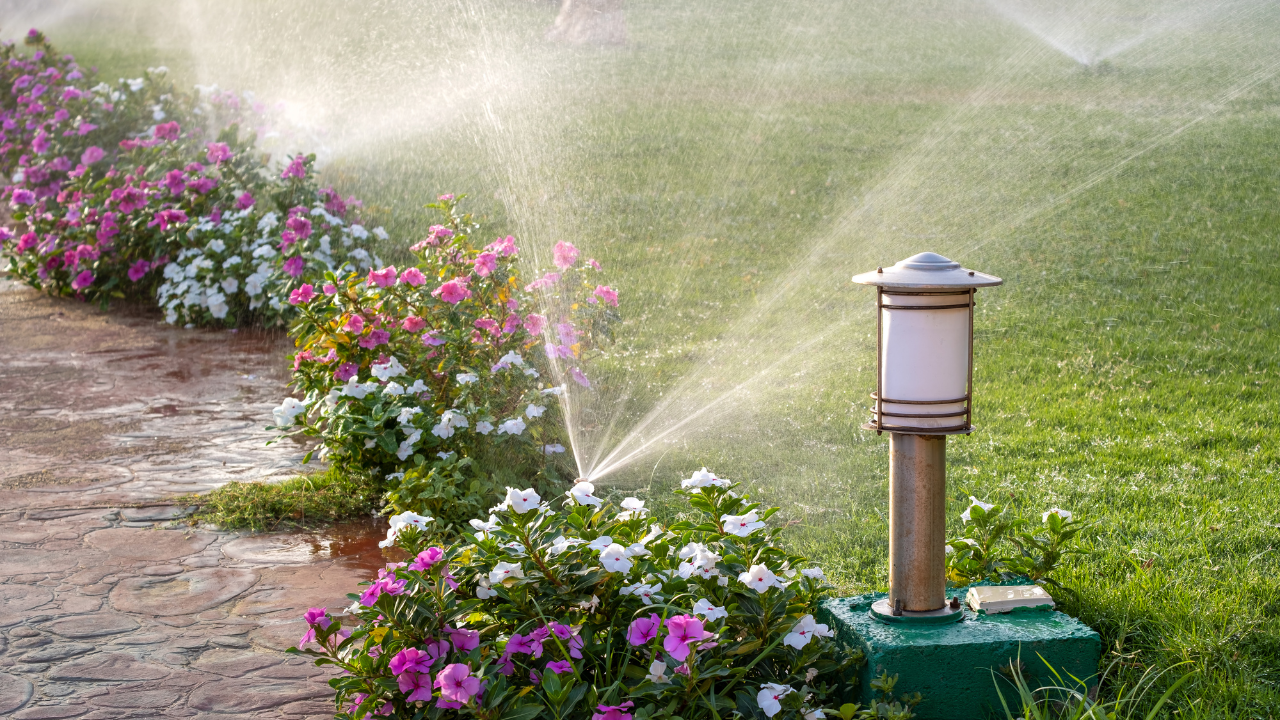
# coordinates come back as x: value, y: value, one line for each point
x: 111, y: 605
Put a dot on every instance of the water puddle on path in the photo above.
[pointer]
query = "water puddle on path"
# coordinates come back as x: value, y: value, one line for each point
x: 353, y: 545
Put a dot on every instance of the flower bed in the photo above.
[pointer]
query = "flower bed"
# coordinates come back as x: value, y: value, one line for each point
x: 580, y: 611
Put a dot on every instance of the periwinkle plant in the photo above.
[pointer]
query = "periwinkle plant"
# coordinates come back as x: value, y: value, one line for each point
x: 999, y: 546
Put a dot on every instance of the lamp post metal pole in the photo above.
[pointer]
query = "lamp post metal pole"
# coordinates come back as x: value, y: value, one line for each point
x: 917, y: 522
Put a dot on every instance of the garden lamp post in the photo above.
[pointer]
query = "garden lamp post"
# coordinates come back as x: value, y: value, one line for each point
x: 924, y: 392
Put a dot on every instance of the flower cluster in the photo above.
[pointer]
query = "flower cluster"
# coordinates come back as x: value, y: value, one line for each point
x: 431, y: 373
x: 137, y: 190
x: 998, y: 546
x: 580, y: 610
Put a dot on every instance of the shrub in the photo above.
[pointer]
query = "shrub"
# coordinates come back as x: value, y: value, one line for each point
x: 1003, y: 547
x: 301, y: 502
x: 435, y: 375
x: 581, y: 611
x: 139, y: 190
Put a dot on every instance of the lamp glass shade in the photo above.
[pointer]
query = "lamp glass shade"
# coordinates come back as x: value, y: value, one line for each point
x: 925, y: 357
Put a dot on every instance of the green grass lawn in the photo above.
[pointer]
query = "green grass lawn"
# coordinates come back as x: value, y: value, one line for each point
x: 737, y: 162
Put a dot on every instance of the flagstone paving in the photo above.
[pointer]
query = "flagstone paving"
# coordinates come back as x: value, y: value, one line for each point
x: 111, y: 605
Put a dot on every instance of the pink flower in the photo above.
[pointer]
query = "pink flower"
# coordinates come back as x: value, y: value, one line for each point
x: 438, y: 233
x: 218, y: 152
x: 165, y: 218
x: 593, y: 264
x: 302, y: 295
x: 138, y: 270
x: 26, y: 242
x: 417, y: 685
x: 300, y: 226
x: 560, y: 666
x: 412, y: 276
x: 297, y: 168
x: 410, y: 660
x: 463, y: 640
x: 92, y: 155
x: 287, y: 238
x: 643, y: 629
x: 511, y: 324
x: 294, y: 266
x: 175, y: 181
x: 565, y: 255
x: 607, y: 294
x: 579, y: 377
x: 683, y: 631
x: 488, y: 325
x: 168, y: 131
x: 386, y: 277
x: 85, y: 128
x: 427, y: 558
x: 82, y: 281
x: 22, y: 197
x: 503, y: 247
x: 374, y: 339
x: 543, y: 282
x: 457, y: 684
x: 568, y: 334
x: 345, y: 372
x: 128, y: 198
x: 452, y: 292
x: 534, y: 323
x: 107, y: 227
x: 330, y: 289
x: 244, y: 202
x: 202, y: 185
x: 413, y: 323
x: 613, y: 712
x: 446, y: 197
x: 314, y: 617
x: 486, y: 263
x: 432, y: 339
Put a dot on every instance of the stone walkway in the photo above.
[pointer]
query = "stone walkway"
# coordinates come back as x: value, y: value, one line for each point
x: 110, y: 605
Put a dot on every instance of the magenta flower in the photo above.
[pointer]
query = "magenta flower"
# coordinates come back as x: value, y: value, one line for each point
x: 165, y: 218
x: 26, y: 242
x: 244, y: 202
x: 85, y: 128
x: 568, y: 334
x: 446, y: 197
x: 22, y: 196
x: 168, y: 131
x: 128, y: 198
x: 511, y: 324
x: 82, y: 281
x: 452, y: 292
x: 107, y: 227
x: 683, y: 632
x: 330, y: 289
x: 218, y: 152
x: 436, y: 233
x: 176, y: 182
x: 345, y: 372
x: 417, y: 685
x: 139, y: 270
x: 92, y: 155
x: 463, y: 640
x: 295, y: 265
x: 355, y: 324
x: 413, y: 323
x: 432, y: 339
x: 316, y: 616
x: 386, y: 277
x: 643, y: 629
x: 457, y: 684
x: 374, y: 339
x: 427, y: 558
x: 287, y: 238
x: 545, y: 281
x: 488, y: 325
x: 593, y: 264
x: 565, y: 255
x: 410, y: 660
x: 613, y: 712
x: 412, y: 276
x: 486, y: 263
x: 202, y: 185
x: 41, y: 143
x: 560, y: 666
x: 607, y: 294
x: 534, y: 323
x: 579, y: 377
x: 503, y: 247
x: 300, y: 226
x: 297, y: 168
x: 302, y: 295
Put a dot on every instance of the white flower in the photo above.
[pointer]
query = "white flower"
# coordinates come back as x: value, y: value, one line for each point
x: 600, y: 543
x: 522, y: 501
x: 805, y: 630
x: 379, y: 233
x: 505, y: 570
x: 511, y: 358
x: 582, y: 494
x: 358, y: 390
x: 590, y: 606
x: 233, y: 260
x: 514, y: 426
x: 394, y: 389
x: 253, y: 284
x: 614, y: 559
x: 657, y: 672
x: 637, y: 549
x: 406, y: 414
x: 394, y: 476
x: 482, y: 589
x: 466, y: 378
x: 265, y: 251
x: 741, y: 525
x: 216, y: 245
x: 562, y: 544
x: 417, y: 388
x: 759, y: 578
x: 974, y: 501
x: 1064, y: 514
x: 267, y: 222
x: 217, y: 305
x: 712, y: 613
x: 485, y: 527
x: 814, y: 572
x: 704, y: 478
x: 552, y: 449
x: 722, y: 581
x: 700, y: 561
x: 288, y: 410
x: 770, y: 694
x: 647, y: 594
x: 632, y: 508
x: 406, y: 447
x: 136, y: 84
x: 391, y: 368
x: 402, y: 521
x: 514, y: 548
x: 484, y: 427
x: 534, y: 411
x: 815, y: 715
x: 359, y: 232
x: 557, y: 390
x: 449, y: 420
x: 230, y: 285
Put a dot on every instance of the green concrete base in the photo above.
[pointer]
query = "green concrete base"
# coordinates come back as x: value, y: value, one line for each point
x: 951, y: 665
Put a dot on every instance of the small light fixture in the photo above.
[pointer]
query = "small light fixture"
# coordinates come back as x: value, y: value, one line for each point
x: 924, y: 392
